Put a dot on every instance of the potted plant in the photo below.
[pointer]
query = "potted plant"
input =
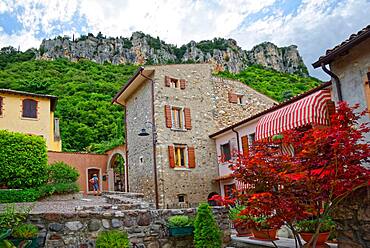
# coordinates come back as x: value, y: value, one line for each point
x: 262, y: 229
x: 307, y: 229
x: 180, y: 226
x: 25, y: 232
x: 241, y: 227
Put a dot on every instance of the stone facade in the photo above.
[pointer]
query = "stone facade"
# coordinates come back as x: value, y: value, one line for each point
x: 207, y: 99
x: 227, y: 114
x: 351, y: 70
x: 146, y: 228
x: 352, y: 217
x: 140, y: 149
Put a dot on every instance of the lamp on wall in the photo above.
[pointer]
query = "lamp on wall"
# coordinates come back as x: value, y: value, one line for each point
x: 143, y: 132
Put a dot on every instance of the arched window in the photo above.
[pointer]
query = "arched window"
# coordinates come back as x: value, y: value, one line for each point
x: 29, y: 108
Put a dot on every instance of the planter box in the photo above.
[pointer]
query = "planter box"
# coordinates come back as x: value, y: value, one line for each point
x: 181, y: 231
x: 33, y: 243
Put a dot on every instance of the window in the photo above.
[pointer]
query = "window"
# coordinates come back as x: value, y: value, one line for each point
x: 29, y: 108
x: 251, y: 138
x: 225, y: 152
x: 367, y: 91
x: 174, y: 83
x: 141, y: 160
x: 240, y: 99
x: 1, y: 106
x: 180, y: 155
x: 177, y: 117
x: 229, y: 190
x: 181, y: 198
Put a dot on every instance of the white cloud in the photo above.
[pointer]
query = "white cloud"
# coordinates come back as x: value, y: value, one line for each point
x: 317, y: 26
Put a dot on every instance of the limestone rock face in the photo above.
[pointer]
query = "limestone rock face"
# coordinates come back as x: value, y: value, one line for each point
x: 223, y: 54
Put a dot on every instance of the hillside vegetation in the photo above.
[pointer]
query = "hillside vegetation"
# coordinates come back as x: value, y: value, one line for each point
x: 88, y: 120
x: 277, y: 85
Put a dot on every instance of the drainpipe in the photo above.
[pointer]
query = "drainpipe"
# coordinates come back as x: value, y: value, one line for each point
x: 154, y: 145
x: 336, y: 80
x: 237, y: 139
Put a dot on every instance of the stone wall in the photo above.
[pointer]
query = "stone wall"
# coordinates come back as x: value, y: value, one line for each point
x: 352, y: 217
x: 226, y: 113
x: 146, y: 228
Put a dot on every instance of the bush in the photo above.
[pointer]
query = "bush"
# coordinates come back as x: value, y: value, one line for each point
x: 206, y: 231
x: 22, y: 195
x: 23, y: 160
x: 31, y: 195
x: 61, y: 172
x: 12, y: 217
x: 114, y: 238
x: 310, y: 226
x: 25, y: 231
x: 180, y: 221
x: 58, y: 188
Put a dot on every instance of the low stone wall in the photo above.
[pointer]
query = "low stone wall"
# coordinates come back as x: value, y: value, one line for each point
x: 352, y: 217
x: 146, y: 228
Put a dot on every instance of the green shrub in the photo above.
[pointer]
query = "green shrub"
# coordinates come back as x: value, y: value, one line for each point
x: 12, y: 217
x: 113, y: 238
x: 58, y: 188
x: 310, y: 226
x: 25, y: 231
x: 61, y: 172
x: 180, y: 221
x: 23, y: 160
x: 22, y: 195
x: 235, y: 211
x: 206, y: 231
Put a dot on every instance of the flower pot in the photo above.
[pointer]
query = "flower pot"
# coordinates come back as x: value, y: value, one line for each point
x: 181, y: 231
x: 323, y: 237
x: 32, y: 243
x: 242, y: 230
x: 264, y: 234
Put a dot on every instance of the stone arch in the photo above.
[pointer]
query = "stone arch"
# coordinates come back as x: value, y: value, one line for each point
x: 110, y: 170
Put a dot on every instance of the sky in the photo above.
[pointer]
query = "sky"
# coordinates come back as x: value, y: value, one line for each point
x: 312, y: 25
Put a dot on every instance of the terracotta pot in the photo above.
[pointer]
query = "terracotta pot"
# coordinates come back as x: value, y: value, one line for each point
x: 243, y: 231
x: 264, y: 234
x: 323, y: 237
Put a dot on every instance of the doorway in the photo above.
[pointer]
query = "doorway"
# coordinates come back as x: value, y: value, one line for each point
x: 90, y: 173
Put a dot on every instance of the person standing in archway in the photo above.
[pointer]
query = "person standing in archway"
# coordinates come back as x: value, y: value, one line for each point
x: 95, y: 183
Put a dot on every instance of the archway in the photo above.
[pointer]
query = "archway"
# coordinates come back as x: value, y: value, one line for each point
x: 116, y: 171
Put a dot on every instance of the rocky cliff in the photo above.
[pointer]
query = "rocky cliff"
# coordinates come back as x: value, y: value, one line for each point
x: 140, y: 48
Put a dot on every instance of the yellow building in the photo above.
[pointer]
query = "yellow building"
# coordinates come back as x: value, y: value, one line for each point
x: 30, y: 113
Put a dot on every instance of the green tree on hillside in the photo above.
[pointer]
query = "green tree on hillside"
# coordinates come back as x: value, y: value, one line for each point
x: 85, y: 90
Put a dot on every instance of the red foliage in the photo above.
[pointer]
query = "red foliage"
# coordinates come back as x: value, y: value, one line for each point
x: 326, y: 165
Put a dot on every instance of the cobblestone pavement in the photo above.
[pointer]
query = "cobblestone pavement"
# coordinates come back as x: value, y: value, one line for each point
x: 62, y: 206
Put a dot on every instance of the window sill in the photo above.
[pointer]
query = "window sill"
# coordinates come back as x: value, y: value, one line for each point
x: 29, y: 118
x: 181, y: 169
x: 179, y: 129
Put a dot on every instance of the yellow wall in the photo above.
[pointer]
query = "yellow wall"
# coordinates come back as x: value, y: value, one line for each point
x: 12, y: 120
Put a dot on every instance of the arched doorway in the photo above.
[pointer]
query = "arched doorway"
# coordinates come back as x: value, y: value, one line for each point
x: 117, y: 173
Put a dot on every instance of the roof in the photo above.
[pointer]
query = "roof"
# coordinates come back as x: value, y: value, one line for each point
x: 273, y: 108
x: 53, y: 99
x: 341, y: 49
x: 124, y: 87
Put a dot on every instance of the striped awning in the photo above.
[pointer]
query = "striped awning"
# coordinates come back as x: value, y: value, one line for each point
x: 309, y: 110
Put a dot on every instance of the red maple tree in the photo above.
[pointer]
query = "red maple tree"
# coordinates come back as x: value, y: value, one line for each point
x: 324, y: 164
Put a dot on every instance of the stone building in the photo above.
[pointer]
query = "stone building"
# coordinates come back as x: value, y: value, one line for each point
x: 174, y: 108
x: 350, y: 72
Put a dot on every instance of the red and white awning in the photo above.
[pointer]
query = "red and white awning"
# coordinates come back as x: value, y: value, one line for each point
x: 309, y: 110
